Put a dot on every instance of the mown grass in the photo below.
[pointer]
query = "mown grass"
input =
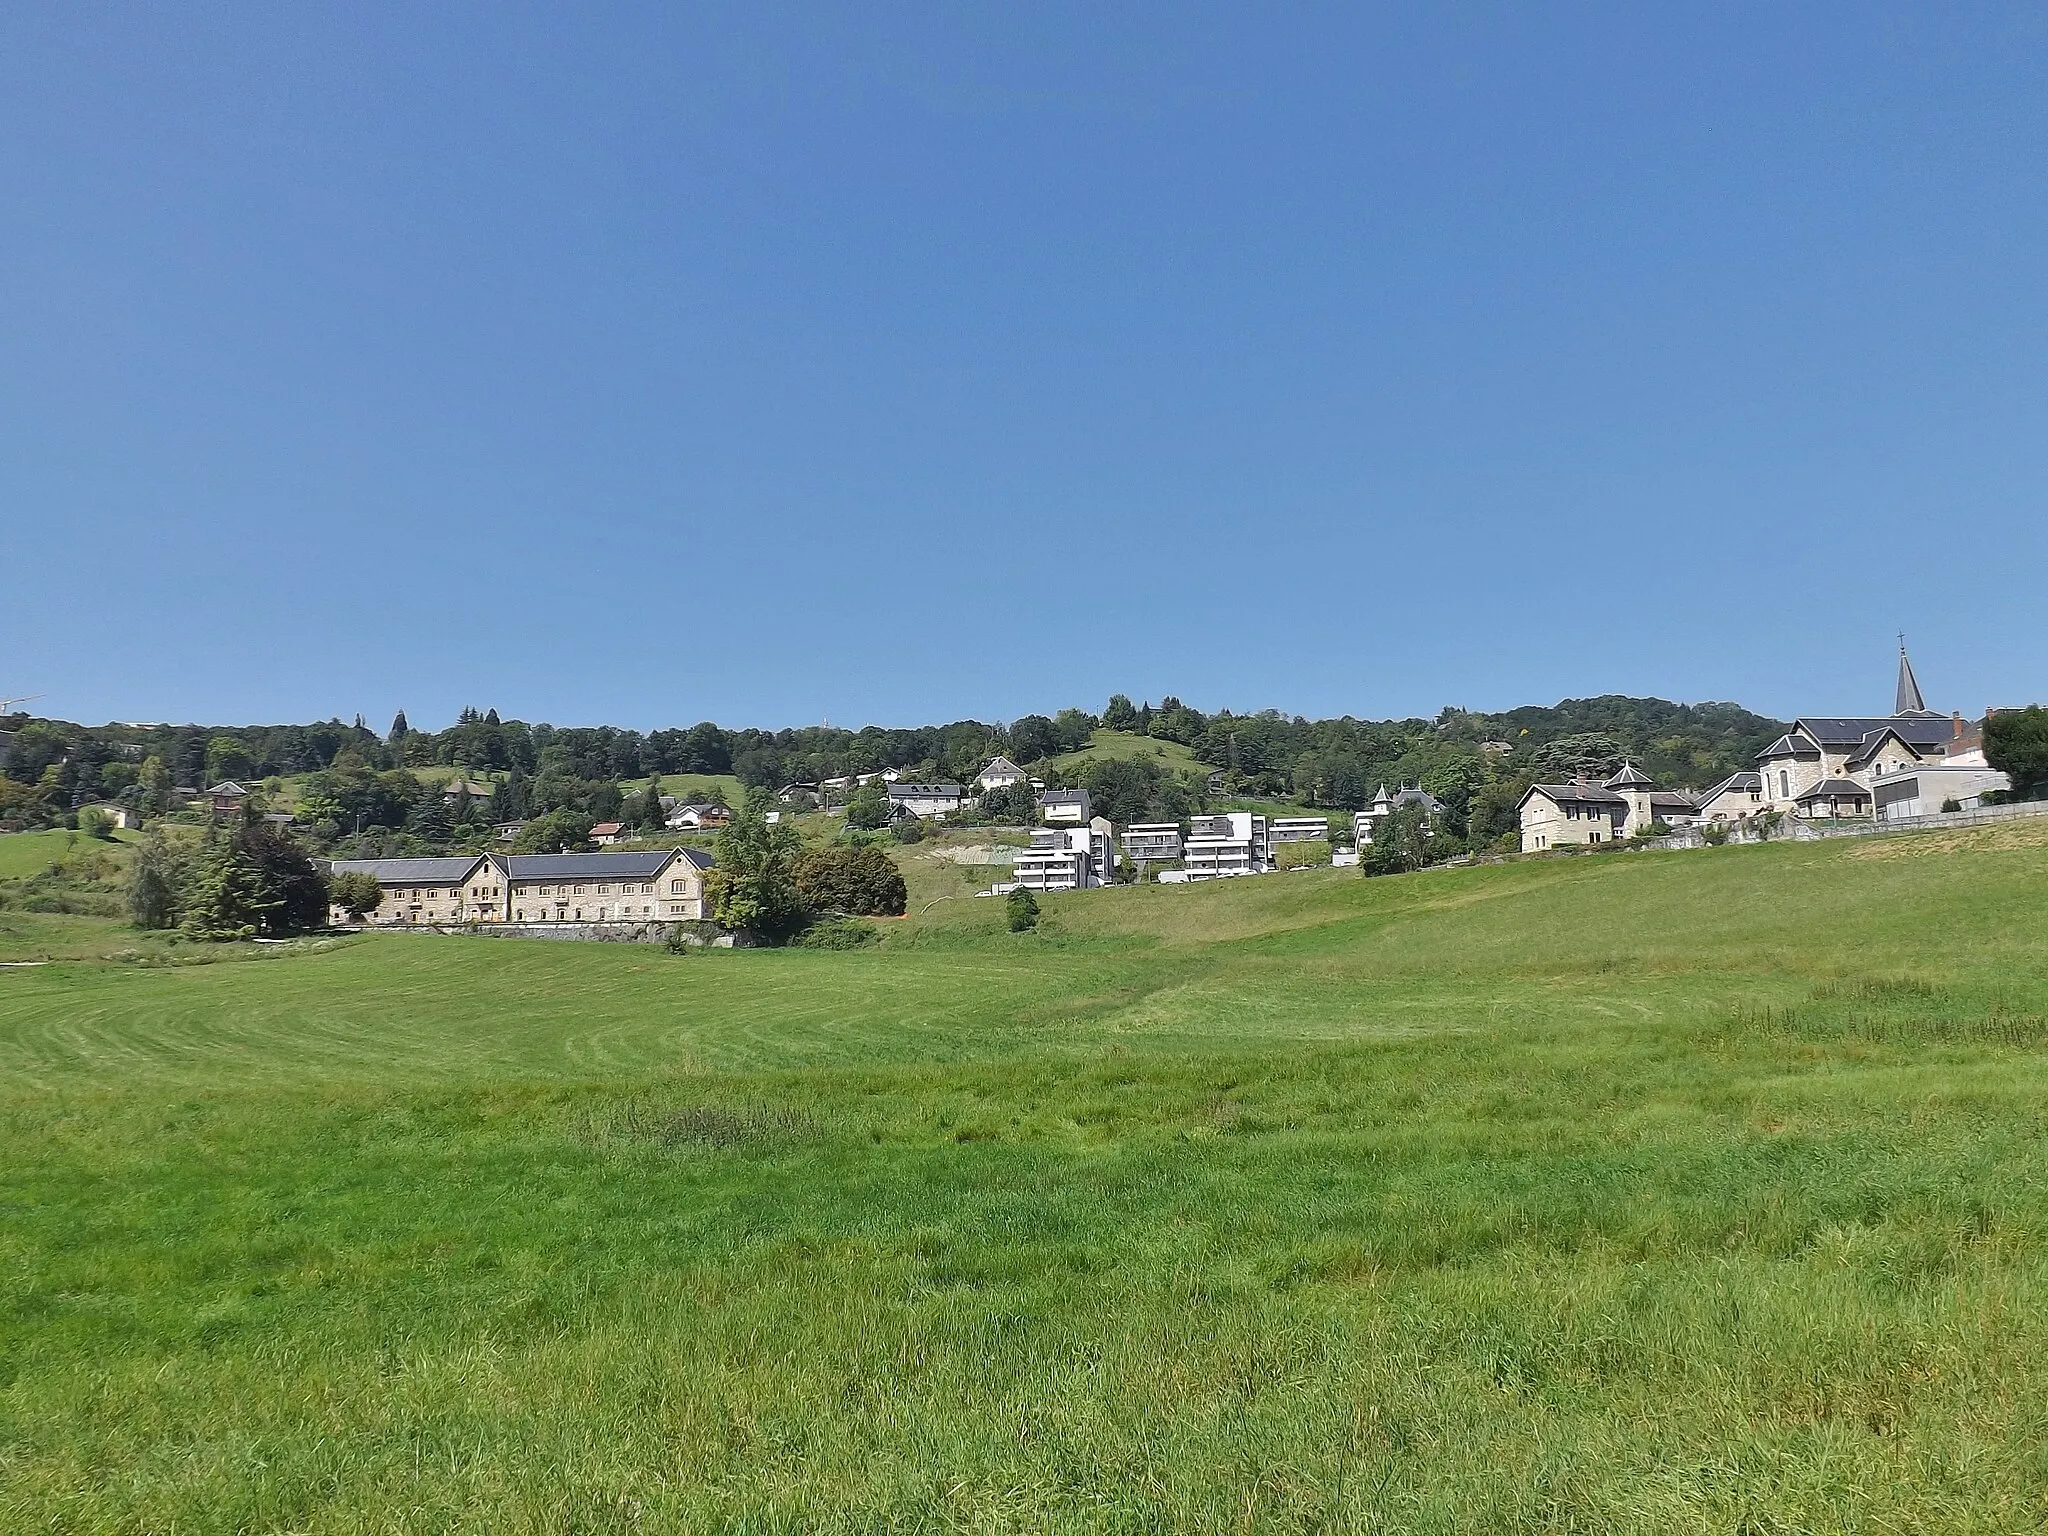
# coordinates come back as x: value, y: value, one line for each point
x: 1641, y: 1193
x: 1119, y: 745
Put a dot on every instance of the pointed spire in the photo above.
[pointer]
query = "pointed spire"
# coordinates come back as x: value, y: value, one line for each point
x: 1909, y: 701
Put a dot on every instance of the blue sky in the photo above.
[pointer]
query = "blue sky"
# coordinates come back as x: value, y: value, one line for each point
x: 775, y: 364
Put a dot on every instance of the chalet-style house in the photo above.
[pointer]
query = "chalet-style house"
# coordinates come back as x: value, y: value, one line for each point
x: 608, y: 833
x: 661, y: 886
x: 224, y: 801
x: 1000, y: 773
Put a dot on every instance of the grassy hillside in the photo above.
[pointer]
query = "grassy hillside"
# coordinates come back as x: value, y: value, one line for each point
x: 1633, y: 1193
x: 27, y: 853
x: 1170, y: 755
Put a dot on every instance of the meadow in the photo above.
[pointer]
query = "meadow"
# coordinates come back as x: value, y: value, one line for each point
x: 1648, y: 1192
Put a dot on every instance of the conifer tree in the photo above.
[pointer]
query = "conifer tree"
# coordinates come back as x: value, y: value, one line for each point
x: 225, y: 898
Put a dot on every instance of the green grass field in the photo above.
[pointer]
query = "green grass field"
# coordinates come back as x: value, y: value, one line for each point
x: 1170, y: 755
x: 1644, y: 1193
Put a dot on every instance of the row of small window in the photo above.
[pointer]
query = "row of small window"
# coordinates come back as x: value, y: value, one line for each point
x: 602, y: 890
x: 481, y: 892
x: 646, y: 910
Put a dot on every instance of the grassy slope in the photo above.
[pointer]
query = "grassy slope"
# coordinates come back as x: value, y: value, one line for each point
x: 27, y: 853
x: 1631, y: 1193
x: 1170, y: 755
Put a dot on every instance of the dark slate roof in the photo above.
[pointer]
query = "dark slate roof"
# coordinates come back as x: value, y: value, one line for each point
x: 592, y: 866
x: 411, y: 871
x: 1740, y: 782
x: 1064, y: 797
x: 922, y: 791
x: 1630, y: 777
x: 1851, y: 730
x: 1789, y: 746
x: 1414, y: 795
x: 1574, y: 794
x: 1874, y: 743
x: 1672, y: 799
x: 1842, y: 787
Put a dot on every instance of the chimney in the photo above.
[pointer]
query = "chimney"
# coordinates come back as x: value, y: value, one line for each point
x: 1957, y: 735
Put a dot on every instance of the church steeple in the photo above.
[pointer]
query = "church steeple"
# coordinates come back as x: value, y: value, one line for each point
x: 1909, y: 701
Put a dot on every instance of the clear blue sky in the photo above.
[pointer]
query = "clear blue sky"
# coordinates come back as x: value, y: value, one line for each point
x: 772, y: 364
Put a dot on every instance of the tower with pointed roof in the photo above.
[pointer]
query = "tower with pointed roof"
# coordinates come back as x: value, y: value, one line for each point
x: 1634, y: 786
x: 1908, y: 700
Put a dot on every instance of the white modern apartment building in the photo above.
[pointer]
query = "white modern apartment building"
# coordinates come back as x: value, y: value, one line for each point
x: 1068, y: 858
x: 1232, y: 843
x: 1152, y: 842
x: 1300, y: 829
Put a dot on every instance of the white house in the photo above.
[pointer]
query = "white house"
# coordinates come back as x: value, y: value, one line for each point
x: 1000, y: 773
x: 1233, y: 843
x: 1068, y: 858
x: 1064, y: 807
x: 924, y: 800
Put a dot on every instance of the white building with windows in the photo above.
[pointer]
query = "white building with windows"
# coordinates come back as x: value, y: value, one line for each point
x: 1300, y: 829
x: 657, y: 886
x: 1068, y: 858
x: 1064, y: 807
x: 925, y: 800
x: 1000, y: 773
x: 1230, y: 843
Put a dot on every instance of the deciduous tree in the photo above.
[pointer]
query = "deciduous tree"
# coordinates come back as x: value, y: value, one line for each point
x: 2016, y: 744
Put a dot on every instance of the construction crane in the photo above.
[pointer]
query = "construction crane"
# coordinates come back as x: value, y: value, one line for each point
x: 7, y: 705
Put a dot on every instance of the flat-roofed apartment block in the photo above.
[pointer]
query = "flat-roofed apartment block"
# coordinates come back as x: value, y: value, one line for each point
x: 1300, y: 829
x: 1152, y: 842
x: 1234, y: 843
x: 1068, y: 858
x: 468, y: 889
x: 666, y: 886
